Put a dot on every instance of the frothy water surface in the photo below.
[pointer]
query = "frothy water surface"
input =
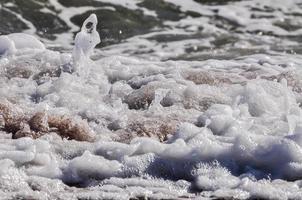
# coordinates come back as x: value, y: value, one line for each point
x: 186, y: 99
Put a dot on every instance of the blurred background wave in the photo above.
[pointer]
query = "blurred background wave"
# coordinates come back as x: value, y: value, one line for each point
x: 164, y: 29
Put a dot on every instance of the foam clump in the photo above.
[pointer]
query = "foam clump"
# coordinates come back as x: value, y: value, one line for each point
x: 12, y: 179
x: 90, y: 166
x: 213, y: 177
x: 19, y: 42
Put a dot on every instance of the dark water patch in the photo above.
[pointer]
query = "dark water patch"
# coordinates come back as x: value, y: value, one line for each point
x: 27, y: 4
x: 261, y: 32
x: 215, y: 2
x: 10, y: 23
x: 139, y: 52
x: 173, y: 37
x: 197, y: 49
x: 118, y: 25
x: 265, y: 9
x: 295, y: 38
x: 46, y: 24
x: 78, y: 3
x: 164, y: 10
x: 288, y: 25
x: 223, y: 23
x: 208, y: 53
x: 296, y: 14
x: 224, y: 40
x: 193, y: 14
x: 257, y: 16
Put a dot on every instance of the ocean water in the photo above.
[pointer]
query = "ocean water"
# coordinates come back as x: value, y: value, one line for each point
x: 182, y: 99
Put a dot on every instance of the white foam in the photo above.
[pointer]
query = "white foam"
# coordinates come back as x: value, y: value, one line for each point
x: 232, y: 130
x: 19, y: 42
